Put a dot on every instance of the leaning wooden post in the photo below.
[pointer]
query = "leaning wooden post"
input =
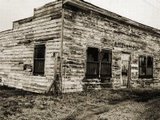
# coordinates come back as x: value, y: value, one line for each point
x: 54, y: 81
x: 61, y: 50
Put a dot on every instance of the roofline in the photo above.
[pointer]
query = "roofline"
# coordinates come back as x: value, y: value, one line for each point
x: 123, y: 20
x: 5, y: 31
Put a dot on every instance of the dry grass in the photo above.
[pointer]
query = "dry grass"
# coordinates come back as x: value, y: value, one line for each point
x: 21, y: 105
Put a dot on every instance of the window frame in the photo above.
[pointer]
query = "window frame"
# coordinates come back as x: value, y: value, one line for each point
x: 108, y: 63
x: 94, y: 62
x: 99, y: 62
x: 40, y: 59
x: 146, y: 66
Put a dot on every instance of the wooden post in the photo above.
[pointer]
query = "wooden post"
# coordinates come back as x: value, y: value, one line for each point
x: 129, y: 73
x: 57, y: 82
x: 54, y: 81
x: 61, y: 48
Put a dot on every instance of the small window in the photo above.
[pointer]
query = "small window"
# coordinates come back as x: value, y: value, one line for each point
x: 39, y: 59
x: 106, y: 63
x: 145, y: 67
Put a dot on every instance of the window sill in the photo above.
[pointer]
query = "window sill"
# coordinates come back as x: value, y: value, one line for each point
x: 39, y: 75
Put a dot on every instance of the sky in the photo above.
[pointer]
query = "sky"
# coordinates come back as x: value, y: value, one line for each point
x: 144, y: 11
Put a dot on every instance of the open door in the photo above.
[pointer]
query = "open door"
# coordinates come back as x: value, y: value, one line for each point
x: 125, y: 69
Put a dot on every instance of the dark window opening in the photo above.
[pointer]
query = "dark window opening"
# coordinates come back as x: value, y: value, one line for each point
x: 92, y: 63
x: 145, y: 67
x: 106, y: 63
x: 39, y: 59
x: 149, y: 70
x: 98, y: 63
x: 142, y: 66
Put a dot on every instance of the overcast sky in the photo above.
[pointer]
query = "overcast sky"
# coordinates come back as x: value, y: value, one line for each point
x: 143, y: 11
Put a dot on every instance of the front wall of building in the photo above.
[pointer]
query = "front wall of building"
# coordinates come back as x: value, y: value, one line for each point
x: 17, y: 49
x: 83, y: 29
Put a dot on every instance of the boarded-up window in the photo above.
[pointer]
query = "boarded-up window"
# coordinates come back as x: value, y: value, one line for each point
x: 106, y: 62
x: 92, y: 63
x: 145, y: 67
x: 39, y: 59
x: 98, y: 63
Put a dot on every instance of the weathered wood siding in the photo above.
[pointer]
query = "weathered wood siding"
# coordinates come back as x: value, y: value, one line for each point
x: 84, y: 28
x: 69, y: 31
x: 17, y: 48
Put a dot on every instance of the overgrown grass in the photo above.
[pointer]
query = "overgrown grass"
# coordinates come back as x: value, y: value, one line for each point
x: 138, y: 95
x: 70, y: 106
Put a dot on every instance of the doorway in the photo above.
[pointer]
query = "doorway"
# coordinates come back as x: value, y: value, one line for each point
x: 125, y: 69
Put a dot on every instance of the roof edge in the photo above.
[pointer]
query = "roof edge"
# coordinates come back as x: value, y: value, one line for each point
x: 119, y: 18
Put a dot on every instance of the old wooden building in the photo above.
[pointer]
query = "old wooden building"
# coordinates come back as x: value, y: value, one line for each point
x: 71, y: 45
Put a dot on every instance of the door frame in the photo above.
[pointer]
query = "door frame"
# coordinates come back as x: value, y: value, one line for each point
x: 129, y: 70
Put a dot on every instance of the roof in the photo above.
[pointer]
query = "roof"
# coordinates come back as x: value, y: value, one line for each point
x: 88, y: 6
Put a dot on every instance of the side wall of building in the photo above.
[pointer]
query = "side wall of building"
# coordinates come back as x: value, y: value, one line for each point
x: 17, y: 48
x: 84, y: 28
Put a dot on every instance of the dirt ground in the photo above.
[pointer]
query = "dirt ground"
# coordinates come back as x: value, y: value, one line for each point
x: 128, y: 104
